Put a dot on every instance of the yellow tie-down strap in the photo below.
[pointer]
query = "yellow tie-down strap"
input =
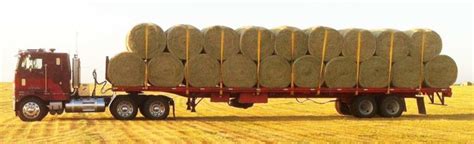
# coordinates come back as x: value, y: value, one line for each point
x: 187, y: 61
x: 390, y: 55
x: 145, y: 82
x: 259, y: 44
x: 323, y: 55
x: 422, y: 50
x: 292, y: 65
x: 221, y: 85
x: 359, y: 45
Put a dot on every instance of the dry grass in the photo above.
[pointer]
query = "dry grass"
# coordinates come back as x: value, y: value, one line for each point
x: 282, y: 120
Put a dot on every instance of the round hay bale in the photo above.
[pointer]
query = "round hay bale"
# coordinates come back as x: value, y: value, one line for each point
x: 126, y: 69
x: 374, y: 73
x: 306, y: 70
x: 146, y: 46
x: 368, y: 43
x: 340, y: 72
x: 334, y: 42
x: 176, y: 40
x: 432, y: 45
x: 239, y: 71
x: 406, y: 73
x: 400, y: 48
x: 203, y: 71
x: 290, y: 42
x: 165, y: 70
x: 440, y: 72
x: 275, y: 72
x: 212, y: 41
x: 249, y: 42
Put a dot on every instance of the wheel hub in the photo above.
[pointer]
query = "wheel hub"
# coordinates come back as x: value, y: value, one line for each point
x: 157, y: 109
x: 366, y: 107
x: 125, y: 109
x: 31, y: 110
x: 392, y: 107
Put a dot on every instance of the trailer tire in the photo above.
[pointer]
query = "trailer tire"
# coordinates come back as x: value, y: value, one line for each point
x: 363, y: 107
x: 32, y: 109
x: 342, y: 108
x: 390, y: 106
x: 156, y: 108
x: 124, y: 108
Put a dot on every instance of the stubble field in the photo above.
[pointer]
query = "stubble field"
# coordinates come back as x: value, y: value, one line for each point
x: 281, y: 120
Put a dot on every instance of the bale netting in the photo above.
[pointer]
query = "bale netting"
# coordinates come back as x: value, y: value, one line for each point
x: 351, y: 42
x: 406, y: 73
x: 432, y: 43
x: 177, y: 37
x: 307, y: 71
x: 290, y: 42
x: 147, y: 40
x: 440, y: 72
x: 334, y: 42
x: 275, y: 72
x: 126, y: 69
x: 340, y: 72
x: 165, y: 70
x: 217, y: 36
x: 239, y: 71
x: 374, y: 73
x: 249, y: 42
x: 400, y: 44
x: 202, y: 71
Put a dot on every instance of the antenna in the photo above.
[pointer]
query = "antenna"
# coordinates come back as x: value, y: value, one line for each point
x: 77, y: 48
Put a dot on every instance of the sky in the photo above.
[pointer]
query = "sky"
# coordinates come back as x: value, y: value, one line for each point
x: 99, y: 28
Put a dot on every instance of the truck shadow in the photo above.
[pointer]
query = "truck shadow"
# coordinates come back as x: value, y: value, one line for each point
x: 295, y: 118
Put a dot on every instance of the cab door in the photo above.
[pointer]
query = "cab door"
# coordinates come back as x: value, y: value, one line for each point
x: 30, y: 77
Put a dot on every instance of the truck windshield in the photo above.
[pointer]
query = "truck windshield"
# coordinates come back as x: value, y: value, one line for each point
x: 28, y: 63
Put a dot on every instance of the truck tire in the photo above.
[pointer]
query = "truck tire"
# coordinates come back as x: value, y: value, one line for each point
x: 124, y: 108
x: 156, y: 108
x: 342, y: 108
x: 390, y: 106
x: 32, y: 109
x: 363, y: 107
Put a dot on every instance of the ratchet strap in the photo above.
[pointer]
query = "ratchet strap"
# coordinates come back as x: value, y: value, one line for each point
x: 145, y: 82
x: 187, y: 61
x: 359, y: 45
x: 390, y: 55
x: 422, y: 50
x: 291, y: 59
x: 323, y: 55
x: 259, y: 43
x: 221, y: 61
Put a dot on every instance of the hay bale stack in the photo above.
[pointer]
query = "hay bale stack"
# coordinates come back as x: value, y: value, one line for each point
x: 176, y: 37
x: 306, y: 70
x: 401, y: 44
x: 374, y: 73
x: 275, y: 72
x: 213, y: 41
x: 340, y: 72
x: 432, y: 43
x: 351, y: 41
x: 249, y: 42
x: 290, y: 42
x: 202, y: 71
x: 165, y: 70
x: 440, y: 72
x: 147, y: 40
x: 334, y: 42
x: 406, y: 73
x: 126, y: 69
x: 239, y: 71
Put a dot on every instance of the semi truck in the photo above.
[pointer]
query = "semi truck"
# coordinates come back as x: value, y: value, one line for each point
x: 48, y: 82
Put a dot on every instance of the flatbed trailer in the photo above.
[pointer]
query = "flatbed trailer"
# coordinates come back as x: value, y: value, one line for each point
x: 43, y: 85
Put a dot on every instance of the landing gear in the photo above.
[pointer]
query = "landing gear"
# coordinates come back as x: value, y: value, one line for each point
x: 32, y: 109
x: 124, y: 108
